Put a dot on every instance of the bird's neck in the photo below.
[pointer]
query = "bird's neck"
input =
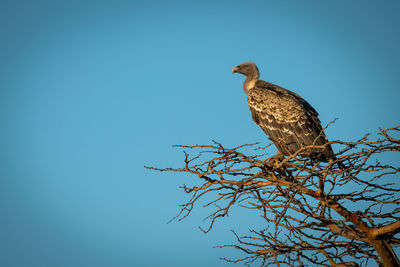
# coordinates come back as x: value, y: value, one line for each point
x: 249, y: 83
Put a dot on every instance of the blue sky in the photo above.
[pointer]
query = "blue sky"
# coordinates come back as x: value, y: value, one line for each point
x: 91, y: 91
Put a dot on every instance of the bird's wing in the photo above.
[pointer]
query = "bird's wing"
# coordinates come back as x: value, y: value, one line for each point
x: 282, y: 91
x: 289, y: 120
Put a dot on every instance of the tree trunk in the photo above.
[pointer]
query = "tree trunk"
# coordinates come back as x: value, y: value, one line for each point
x: 385, y: 252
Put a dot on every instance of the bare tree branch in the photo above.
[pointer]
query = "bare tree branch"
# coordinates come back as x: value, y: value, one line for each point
x: 344, y: 212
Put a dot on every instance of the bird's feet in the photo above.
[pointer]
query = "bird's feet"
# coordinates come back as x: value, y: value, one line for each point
x: 275, y: 161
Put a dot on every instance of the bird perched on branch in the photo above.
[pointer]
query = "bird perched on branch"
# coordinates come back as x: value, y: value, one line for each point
x: 290, y: 122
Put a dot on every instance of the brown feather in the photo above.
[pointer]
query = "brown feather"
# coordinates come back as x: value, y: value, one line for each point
x: 289, y: 120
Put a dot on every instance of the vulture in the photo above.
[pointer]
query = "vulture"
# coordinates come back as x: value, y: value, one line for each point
x: 290, y: 122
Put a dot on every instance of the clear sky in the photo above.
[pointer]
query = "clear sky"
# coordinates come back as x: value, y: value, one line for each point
x: 91, y: 91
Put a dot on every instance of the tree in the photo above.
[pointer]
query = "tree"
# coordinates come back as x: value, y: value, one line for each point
x: 341, y: 213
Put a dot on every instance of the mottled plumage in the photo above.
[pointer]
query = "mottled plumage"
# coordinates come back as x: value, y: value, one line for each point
x: 289, y: 121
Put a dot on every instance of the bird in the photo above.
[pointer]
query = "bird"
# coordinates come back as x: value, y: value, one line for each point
x: 289, y: 121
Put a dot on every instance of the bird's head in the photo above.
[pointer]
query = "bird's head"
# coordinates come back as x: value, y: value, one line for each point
x: 248, y: 69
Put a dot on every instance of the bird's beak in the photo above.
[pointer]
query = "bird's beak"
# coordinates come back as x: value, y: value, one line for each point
x: 235, y: 69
